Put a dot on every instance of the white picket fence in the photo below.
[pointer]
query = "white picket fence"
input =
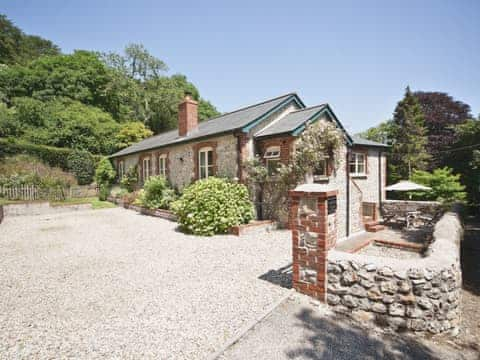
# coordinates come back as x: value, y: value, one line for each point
x: 33, y: 192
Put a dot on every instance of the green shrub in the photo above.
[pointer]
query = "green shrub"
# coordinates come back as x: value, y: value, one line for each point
x: 212, y: 206
x: 82, y: 164
x: 103, y: 192
x: 105, y: 174
x: 130, y: 179
x: 157, y: 193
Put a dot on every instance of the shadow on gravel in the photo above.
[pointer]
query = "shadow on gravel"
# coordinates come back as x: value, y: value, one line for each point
x: 470, y: 253
x: 281, y: 277
x: 332, y: 338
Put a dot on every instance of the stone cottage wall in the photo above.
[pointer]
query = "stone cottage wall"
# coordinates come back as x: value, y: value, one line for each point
x: 181, y: 166
x: 369, y: 184
x: 421, y: 295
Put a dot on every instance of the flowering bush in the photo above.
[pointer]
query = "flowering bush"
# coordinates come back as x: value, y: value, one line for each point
x: 211, y: 206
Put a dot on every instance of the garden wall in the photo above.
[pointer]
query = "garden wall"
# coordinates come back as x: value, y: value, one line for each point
x: 404, y: 206
x: 418, y: 295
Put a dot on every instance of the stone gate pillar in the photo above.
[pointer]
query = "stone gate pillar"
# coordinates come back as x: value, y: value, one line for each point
x: 313, y: 221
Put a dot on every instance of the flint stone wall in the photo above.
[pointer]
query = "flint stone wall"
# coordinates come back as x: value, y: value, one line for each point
x: 418, y: 295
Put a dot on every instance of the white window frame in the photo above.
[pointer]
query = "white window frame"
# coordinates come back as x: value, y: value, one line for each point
x: 207, y: 166
x: 162, y: 165
x: 121, y: 169
x: 355, y: 162
x: 146, y: 162
x: 272, y: 155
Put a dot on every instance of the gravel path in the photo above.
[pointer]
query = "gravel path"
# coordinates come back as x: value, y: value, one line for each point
x: 115, y: 284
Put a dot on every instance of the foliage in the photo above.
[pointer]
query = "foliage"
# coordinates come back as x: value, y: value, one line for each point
x: 319, y: 141
x: 157, y: 193
x: 130, y: 179
x: 17, y: 47
x: 442, y: 113
x: 82, y: 165
x: 408, y: 151
x: 446, y: 186
x: 131, y: 133
x: 29, y: 170
x: 103, y: 192
x: 213, y: 205
x: 464, y: 157
x: 53, y: 156
x: 105, y: 173
x: 382, y: 133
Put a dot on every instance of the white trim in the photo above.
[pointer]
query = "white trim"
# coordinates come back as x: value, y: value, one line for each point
x: 146, y: 169
x: 272, y: 152
x: 207, y: 166
x: 356, y: 164
x: 121, y: 169
x: 162, y: 170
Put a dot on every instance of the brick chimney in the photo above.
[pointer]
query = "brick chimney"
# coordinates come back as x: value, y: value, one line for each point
x: 187, y: 116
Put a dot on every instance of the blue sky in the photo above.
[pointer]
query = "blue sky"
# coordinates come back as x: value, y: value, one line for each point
x: 356, y: 55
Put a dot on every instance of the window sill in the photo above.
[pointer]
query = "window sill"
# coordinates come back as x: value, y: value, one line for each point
x: 320, y: 179
x: 358, y: 176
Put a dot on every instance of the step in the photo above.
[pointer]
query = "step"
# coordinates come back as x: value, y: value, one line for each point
x: 374, y: 228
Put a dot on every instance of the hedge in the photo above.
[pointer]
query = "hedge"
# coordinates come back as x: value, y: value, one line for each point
x: 53, y: 156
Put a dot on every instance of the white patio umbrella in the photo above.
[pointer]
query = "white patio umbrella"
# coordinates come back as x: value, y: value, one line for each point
x: 405, y: 185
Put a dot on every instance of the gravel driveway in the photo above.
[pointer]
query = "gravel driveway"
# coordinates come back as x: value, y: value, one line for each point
x: 115, y: 284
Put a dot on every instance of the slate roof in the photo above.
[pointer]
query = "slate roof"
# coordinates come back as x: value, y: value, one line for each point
x: 357, y: 140
x: 290, y: 122
x: 228, y: 122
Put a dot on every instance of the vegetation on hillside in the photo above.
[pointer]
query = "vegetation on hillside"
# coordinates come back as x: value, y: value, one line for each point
x: 86, y: 100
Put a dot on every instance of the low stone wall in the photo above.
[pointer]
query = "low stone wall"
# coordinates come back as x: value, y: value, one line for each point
x: 40, y: 208
x: 404, y: 206
x: 417, y: 295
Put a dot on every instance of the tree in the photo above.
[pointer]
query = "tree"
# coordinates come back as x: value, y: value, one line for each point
x: 18, y: 48
x: 409, y: 146
x: 382, y: 133
x: 442, y: 113
x: 131, y: 133
x: 445, y: 186
x: 464, y: 157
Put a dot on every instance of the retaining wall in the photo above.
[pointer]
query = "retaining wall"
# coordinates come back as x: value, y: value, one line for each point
x: 417, y: 295
x: 39, y: 208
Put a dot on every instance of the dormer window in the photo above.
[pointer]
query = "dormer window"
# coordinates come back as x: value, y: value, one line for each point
x: 272, y: 159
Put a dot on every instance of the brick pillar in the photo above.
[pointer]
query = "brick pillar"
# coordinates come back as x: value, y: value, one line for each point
x: 312, y: 219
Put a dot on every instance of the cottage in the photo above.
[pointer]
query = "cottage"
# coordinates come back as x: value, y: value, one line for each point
x: 220, y: 147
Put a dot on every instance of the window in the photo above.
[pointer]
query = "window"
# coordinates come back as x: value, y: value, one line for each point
x: 146, y: 168
x: 321, y: 170
x: 272, y: 158
x: 205, y: 162
x: 162, y: 165
x: 121, y: 169
x: 357, y: 164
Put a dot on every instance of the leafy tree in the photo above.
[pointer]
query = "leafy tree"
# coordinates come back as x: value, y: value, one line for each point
x: 206, y: 110
x: 9, y: 126
x: 442, y: 113
x: 464, y: 157
x: 80, y: 76
x: 82, y: 165
x: 409, y: 146
x: 72, y: 124
x: 382, y: 133
x: 17, y: 47
x: 131, y: 133
x: 446, y: 186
